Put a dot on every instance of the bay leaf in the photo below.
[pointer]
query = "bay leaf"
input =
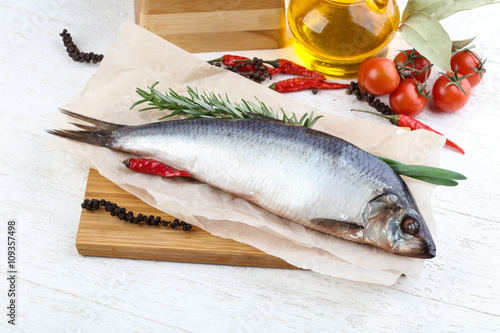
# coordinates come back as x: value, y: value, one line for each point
x: 440, y: 9
x: 460, y: 44
x: 427, y: 36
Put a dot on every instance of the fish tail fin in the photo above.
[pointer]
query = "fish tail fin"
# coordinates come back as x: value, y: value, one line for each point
x: 100, y: 134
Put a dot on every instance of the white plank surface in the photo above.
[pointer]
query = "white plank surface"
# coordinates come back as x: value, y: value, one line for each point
x: 60, y: 291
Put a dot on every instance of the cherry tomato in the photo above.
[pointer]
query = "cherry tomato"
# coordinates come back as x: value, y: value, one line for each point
x: 447, y: 92
x: 413, y: 59
x: 408, y: 98
x: 379, y: 76
x: 468, y: 62
x: 361, y: 71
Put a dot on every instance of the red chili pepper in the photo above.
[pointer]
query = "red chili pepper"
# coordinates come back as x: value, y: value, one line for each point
x: 404, y: 121
x: 289, y: 67
x: 301, y: 83
x: 229, y: 60
x: 274, y: 71
x: 145, y: 165
x: 280, y: 66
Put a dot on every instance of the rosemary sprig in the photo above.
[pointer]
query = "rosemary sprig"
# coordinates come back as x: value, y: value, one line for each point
x: 210, y: 105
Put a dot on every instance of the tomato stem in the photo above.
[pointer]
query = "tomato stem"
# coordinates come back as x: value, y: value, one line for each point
x: 480, y: 68
x: 421, y: 88
x: 456, y: 80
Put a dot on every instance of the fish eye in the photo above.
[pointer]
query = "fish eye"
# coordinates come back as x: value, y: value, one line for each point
x: 410, y: 225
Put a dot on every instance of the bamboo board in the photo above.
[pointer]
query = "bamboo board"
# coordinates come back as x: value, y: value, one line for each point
x: 210, y: 26
x: 100, y: 234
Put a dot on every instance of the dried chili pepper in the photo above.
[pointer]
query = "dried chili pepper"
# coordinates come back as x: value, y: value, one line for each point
x: 289, y: 67
x: 301, y: 83
x: 145, y: 165
x: 402, y: 120
x: 279, y: 66
x: 254, y: 69
x: 232, y: 60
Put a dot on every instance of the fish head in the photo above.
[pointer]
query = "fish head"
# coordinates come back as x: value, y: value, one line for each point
x: 393, y: 223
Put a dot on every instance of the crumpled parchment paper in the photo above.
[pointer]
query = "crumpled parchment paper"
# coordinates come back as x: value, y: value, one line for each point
x: 138, y: 58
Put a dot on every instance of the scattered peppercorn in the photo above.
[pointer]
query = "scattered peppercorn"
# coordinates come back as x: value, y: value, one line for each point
x: 122, y: 214
x: 353, y: 89
x: 74, y: 52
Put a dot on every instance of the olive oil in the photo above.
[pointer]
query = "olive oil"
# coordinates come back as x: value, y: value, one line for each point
x: 334, y: 37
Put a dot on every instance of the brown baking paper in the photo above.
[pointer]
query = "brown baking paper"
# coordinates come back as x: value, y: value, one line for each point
x: 138, y: 58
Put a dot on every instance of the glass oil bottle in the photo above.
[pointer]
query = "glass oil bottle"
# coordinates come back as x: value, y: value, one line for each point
x: 334, y: 37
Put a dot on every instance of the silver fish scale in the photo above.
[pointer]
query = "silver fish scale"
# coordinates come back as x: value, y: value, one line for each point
x: 292, y: 171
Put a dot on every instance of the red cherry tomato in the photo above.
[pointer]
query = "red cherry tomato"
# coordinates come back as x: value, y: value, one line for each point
x: 361, y: 71
x: 408, y: 59
x: 451, y: 92
x: 379, y: 76
x: 468, y: 62
x: 408, y: 98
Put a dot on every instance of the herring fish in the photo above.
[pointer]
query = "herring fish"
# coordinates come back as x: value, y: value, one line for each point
x: 307, y: 176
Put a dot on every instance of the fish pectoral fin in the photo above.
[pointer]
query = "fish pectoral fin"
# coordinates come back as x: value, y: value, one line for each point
x: 343, y: 229
x: 250, y: 196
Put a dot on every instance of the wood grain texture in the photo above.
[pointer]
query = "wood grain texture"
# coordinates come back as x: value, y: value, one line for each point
x: 100, y: 234
x: 155, y: 7
x: 201, y: 26
x: 204, y: 42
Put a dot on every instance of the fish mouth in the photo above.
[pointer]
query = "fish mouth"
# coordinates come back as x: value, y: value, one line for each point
x: 427, y: 253
x: 429, y: 247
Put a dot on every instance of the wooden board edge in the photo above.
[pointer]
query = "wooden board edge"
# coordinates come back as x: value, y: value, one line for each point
x: 213, y: 258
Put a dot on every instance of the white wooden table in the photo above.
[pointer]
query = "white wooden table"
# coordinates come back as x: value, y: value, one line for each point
x: 59, y: 291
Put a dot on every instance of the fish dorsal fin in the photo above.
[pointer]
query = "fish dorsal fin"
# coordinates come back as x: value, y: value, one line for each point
x: 343, y: 229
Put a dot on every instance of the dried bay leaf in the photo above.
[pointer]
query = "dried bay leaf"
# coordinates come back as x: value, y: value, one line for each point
x: 460, y: 44
x: 440, y: 9
x: 427, y: 35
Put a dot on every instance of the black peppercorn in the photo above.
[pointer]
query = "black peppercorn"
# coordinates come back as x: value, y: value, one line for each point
x: 122, y: 214
x: 374, y: 102
x: 75, y: 53
x: 129, y: 216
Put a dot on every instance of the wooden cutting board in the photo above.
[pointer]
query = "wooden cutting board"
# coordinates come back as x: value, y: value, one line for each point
x: 100, y: 234
x: 209, y: 26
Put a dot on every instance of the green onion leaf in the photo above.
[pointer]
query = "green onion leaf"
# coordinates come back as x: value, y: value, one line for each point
x: 436, y: 181
x: 428, y: 174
